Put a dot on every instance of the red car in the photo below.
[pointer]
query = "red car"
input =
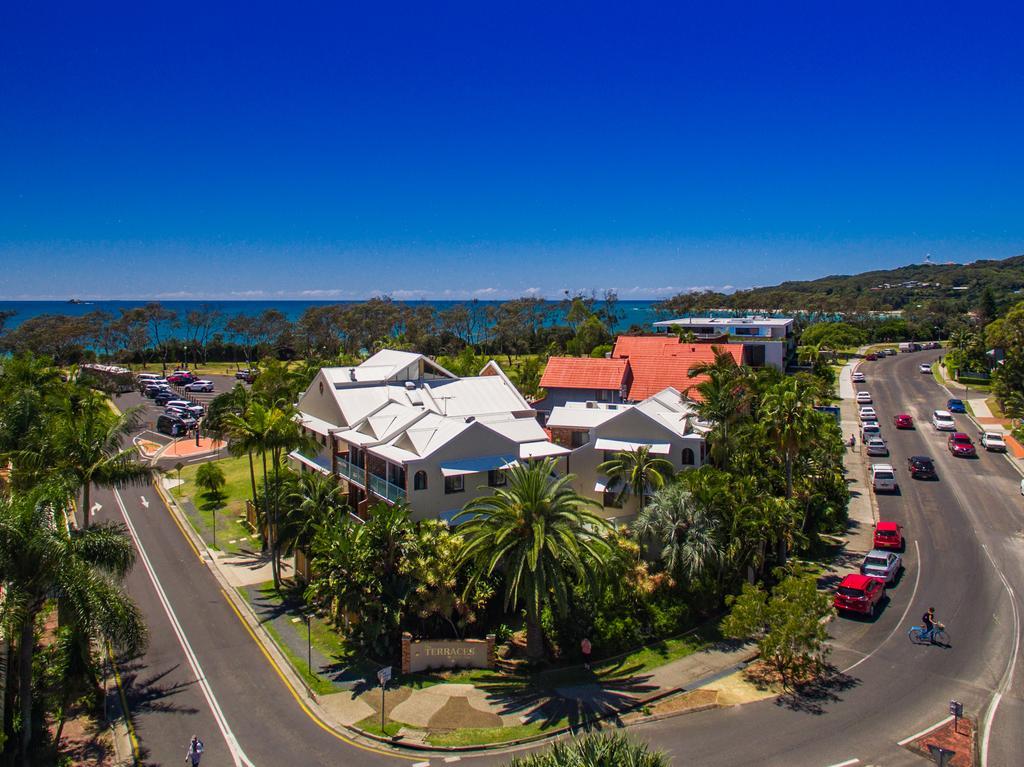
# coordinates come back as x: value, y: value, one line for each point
x: 888, y: 535
x: 903, y: 421
x: 181, y: 378
x: 859, y: 594
x: 871, y: 356
x: 960, y: 445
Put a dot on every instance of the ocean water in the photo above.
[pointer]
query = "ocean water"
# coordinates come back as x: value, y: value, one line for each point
x: 633, y: 313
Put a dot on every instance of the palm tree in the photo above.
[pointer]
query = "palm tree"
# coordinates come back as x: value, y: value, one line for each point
x: 540, y: 535
x: 210, y: 478
x: 594, y: 750
x: 724, y: 398
x: 85, y: 441
x: 685, y: 525
x: 42, y: 559
x: 638, y: 471
x: 220, y: 423
x: 314, y: 499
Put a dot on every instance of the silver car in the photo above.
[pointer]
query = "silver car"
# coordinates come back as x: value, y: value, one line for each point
x: 881, y: 565
x: 876, y: 446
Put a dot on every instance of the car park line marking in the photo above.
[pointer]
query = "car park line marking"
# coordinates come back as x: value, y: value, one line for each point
x: 924, y: 732
x: 847, y: 763
x: 899, y: 624
x: 237, y: 755
x: 1011, y: 664
x: 144, y: 501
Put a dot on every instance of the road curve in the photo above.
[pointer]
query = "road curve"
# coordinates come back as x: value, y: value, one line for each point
x: 205, y: 673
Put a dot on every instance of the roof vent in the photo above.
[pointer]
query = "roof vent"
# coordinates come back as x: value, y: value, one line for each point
x: 352, y: 374
x: 410, y: 385
x: 470, y: 418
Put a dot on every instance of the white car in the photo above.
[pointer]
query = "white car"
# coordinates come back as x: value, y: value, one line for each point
x: 942, y: 420
x: 858, y: 377
x: 876, y: 446
x: 201, y: 385
x: 882, y: 565
x: 864, y: 398
x: 925, y: 368
x: 883, y: 478
x: 867, y: 413
x: 184, y: 405
x: 993, y: 442
x: 870, y: 429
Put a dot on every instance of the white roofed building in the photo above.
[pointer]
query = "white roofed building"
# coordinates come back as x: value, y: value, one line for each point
x: 665, y: 422
x: 399, y: 427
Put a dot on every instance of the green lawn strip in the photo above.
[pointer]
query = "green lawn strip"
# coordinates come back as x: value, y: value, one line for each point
x: 323, y: 638
x: 371, y: 724
x: 995, y: 408
x: 236, y: 491
x: 482, y: 736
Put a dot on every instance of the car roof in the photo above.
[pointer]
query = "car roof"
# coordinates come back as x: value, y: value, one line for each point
x: 942, y: 414
x: 887, y: 526
x: 993, y: 434
x: 920, y: 458
x: 880, y: 553
x: 856, y: 581
x: 960, y: 435
x: 951, y: 400
x: 903, y: 415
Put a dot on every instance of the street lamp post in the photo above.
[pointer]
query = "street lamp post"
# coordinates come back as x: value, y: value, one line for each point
x: 309, y: 645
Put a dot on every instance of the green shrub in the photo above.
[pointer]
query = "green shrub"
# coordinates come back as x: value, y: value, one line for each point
x: 595, y: 750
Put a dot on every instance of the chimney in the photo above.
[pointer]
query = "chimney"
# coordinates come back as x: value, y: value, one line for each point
x: 352, y: 374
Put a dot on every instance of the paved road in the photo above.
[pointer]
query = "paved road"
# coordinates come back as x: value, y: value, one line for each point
x: 965, y: 537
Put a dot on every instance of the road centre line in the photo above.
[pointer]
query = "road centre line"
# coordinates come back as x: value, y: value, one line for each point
x: 1011, y: 664
x: 847, y: 763
x: 924, y: 732
x: 237, y: 755
x: 899, y: 624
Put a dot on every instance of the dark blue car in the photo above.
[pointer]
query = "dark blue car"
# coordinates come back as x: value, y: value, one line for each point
x: 956, y: 406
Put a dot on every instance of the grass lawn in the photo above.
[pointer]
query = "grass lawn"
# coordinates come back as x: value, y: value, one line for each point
x: 480, y: 736
x: 993, y: 405
x: 371, y: 724
x: 236, y: 491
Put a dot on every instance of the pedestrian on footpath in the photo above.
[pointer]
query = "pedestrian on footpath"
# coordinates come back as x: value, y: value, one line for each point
x: 195, y: 751
x: 585, y: 648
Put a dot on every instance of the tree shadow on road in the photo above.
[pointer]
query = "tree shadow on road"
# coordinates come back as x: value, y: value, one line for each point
x: 813, y: 696
x: 150, y: 694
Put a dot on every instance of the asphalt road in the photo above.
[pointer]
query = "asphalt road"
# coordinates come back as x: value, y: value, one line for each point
x: 205, y: 673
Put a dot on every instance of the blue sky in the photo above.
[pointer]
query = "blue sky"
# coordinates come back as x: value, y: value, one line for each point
x: 452, y: 150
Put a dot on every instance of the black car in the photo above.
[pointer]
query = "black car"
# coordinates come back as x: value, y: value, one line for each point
x: 172, y: 425
x: 165, y: 396
x: 152, y: 390
x: 921, y: 467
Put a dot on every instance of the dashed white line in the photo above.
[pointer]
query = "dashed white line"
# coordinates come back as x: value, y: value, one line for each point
x: 924, y: 732
x: 1011, y: 664
x: 421, y: 764
x: 847, y: 763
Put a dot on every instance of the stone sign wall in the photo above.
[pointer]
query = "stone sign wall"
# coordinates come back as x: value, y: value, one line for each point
x: 421, y: 655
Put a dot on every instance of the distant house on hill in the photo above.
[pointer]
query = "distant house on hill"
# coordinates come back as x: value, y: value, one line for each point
x: 766, y: 341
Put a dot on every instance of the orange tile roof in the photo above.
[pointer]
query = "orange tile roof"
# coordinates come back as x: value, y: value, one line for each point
x: 651, y: 374
x: 584, y: 373
x: 636, y: 346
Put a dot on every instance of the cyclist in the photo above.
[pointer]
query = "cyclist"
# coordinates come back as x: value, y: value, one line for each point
x: 928, y: 619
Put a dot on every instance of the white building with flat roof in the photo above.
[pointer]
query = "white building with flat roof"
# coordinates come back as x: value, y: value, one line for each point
x: 766, y: 340
x: 401, y: 428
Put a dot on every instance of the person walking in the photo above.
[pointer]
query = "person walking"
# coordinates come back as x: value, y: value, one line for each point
x: 195, y: 751
x: 585, y: 649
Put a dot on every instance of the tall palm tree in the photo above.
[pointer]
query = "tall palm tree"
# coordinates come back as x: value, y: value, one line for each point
x: 313, y: 500
x: 540, y: 535
x: 638, y: 471
x: 85, y: 442
x: 220, y: 423
x: 724, y: 399
x: 42, y: 559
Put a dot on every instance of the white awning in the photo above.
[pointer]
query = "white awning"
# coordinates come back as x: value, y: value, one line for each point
x: 314, y: 424
x: 606, y: 485
x: 477, y: 465
x: 542, y: 449
x: 623, y: 446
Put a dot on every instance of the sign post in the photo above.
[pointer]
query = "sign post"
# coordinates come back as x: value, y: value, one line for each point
x: 956, y: 708
x: 383, y: 676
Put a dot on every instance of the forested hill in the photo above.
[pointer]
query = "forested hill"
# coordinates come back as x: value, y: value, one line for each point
x: 884, y: 289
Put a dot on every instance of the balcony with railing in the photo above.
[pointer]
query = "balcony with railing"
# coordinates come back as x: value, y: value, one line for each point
x: 351, y: 471
x: 384, y: 489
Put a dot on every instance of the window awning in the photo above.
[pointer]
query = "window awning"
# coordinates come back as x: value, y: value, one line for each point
x: 606, y: 485
x: 624, y: 446
x: 477, y: 465
x: 541, y: 449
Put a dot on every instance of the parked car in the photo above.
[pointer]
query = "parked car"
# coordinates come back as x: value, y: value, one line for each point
x: 903, y: 421
x: 164, y: 396
x: 863, y: 398
x: 867, y: 413
x: 147, y: 378
x: 883, y: 478
x: 876, y: 446
x: 189, y: 407
x: 871, y: 357
x: 859, y: 594
x: 153, y: 389
x: 960, y: 445
x: 942, y: 420
x: 870, y: 429
x: 888, y: 535
x: 924, y: 367
x: 183, y: 415
x: 921, y: 467
x: 172, y: 425
x: 956, y: 406
x: 246, y: 375
x: 180, y: 377
x: 993, y: 442
x: 858, y: 377
x: 200, y: 384
x: 882, y: 565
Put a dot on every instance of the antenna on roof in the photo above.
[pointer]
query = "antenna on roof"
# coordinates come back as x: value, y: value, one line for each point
x: 352, y: 374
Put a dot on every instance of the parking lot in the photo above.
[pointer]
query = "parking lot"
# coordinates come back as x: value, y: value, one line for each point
x: 150, y: 411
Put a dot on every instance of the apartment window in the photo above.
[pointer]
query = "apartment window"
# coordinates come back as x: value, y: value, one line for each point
x: 456, y: 484
x: 579, y: 439
x: 687, y: 457
x: 419, y: 480
x: 496, y: 478
x: 604, y: 395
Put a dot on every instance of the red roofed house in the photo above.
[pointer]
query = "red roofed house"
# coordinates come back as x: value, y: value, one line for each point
x: 640, y: 366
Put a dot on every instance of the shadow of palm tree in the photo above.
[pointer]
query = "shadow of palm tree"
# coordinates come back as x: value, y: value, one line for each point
x: 149, y: 694
x: 812, y: 697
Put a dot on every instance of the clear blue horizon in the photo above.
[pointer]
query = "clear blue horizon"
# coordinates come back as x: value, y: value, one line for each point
x: 480, y: 151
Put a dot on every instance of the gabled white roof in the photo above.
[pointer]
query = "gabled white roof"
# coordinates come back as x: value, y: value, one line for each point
x: 578, y: 417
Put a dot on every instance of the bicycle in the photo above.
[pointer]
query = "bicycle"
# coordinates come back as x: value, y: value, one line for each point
x: 939, y: 635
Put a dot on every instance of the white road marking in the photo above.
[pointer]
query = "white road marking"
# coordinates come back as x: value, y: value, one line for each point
x: 144, y: 501
x: 94, y: 509
x: 421, y: 764
x: 847, y: 763
x: 237, y: 755
x: 450, y: 759
x: 924, y: 732
x: 899, y: 624
x: 1004, y: 683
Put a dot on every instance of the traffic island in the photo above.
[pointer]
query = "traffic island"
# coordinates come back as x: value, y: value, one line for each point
x: 956, y: 735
